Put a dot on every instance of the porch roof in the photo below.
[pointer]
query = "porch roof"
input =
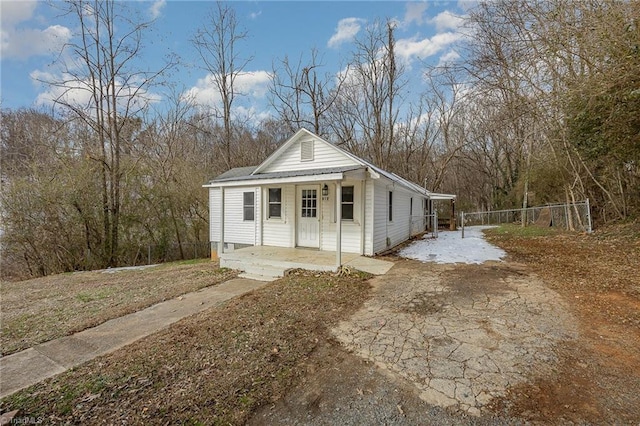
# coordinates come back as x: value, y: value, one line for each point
x: 243, y: 174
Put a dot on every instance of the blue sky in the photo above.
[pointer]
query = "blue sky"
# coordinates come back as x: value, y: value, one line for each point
x: 32, y: 33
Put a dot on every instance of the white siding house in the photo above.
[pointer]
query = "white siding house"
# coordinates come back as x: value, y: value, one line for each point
x: 310, y: 193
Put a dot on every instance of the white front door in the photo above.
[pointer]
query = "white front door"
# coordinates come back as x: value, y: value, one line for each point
x: 308, y: 216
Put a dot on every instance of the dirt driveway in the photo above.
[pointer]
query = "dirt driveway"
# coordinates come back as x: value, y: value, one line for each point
x: 447, y: 341
x: 461, y: 333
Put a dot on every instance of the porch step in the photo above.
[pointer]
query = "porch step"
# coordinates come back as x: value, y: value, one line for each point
x: 257, y: 277
x: 229, y: 261
x: 254, y: 270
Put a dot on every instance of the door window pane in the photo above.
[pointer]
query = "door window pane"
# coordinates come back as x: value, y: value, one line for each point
x: 308, y: 203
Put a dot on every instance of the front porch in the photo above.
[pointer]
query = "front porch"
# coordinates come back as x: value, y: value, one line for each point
x: 269, y: 263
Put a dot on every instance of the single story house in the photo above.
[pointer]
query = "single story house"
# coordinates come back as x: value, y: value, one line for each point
x: 310, y: 193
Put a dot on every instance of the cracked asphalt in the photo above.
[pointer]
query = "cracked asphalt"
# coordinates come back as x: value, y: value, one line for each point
x: 462, y: 334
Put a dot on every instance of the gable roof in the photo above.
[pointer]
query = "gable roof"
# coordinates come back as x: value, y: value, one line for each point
x: 235, y: 173
x: 292, y: 140
x: 256, y: 172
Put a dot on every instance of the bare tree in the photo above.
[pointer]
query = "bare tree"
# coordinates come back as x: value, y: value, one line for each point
x: 216, y: 42
x: 302, y: 96
x: 371, y: 94
x: 106, y: 71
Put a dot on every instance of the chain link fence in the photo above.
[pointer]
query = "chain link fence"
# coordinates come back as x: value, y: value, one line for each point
x: 572, y: 217
x: 425, y: 223
x: 152, y: 254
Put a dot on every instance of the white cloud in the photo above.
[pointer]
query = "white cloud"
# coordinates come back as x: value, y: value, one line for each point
x: 250, y: 107
x: 448, y: 58
x: 253, y: 84
x: 250, y: 114
x: 414, y: 12
x: 14, y: 12
x: 255, y: 15
x: 345, y: 31
x: 78, y: 93
x: 447, y: 21
x: 22, y: 43
x: 412, y: 48
x: 156, y: 8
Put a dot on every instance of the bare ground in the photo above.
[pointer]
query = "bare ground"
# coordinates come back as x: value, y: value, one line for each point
x: 597, y: 378
x: 215, y: 367
x: 590, y: 378
x: 42, y: 309
x: 270, y: 358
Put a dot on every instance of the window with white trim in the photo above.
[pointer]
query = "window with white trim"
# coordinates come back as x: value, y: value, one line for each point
x: 275, y: 203
x: 248, y: 206
x: 347, y: 202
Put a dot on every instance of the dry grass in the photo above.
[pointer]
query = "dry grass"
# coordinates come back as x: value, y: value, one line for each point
x: 215, y: 367
x: 41, y: 309
x: 585, y: 268
x: 597, y: 275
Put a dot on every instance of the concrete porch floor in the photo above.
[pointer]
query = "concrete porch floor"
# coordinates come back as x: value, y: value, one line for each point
x: 282, y: 258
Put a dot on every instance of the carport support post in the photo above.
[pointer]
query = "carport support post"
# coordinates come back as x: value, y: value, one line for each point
x: 452, y: 223
x: 221, y: 242
x: 338, y: 224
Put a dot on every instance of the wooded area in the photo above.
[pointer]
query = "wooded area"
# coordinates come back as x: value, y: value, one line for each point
x: 543, y: 106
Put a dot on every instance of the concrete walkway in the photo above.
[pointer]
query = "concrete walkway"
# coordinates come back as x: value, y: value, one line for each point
x: 33, y: 365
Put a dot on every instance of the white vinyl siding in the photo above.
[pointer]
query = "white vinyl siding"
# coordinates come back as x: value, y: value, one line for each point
x: 214, y: 214
x: 368, y: 217
x: 417, y: 220
x: 236, y: 229
x: 380, y: 199
x: 324, y: 156
x: 280, y: 232
x: 351, y: 229
x: 397, y: 230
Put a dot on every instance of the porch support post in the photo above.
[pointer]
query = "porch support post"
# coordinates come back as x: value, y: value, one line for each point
x: 221, y: 242
x: 338, y: 224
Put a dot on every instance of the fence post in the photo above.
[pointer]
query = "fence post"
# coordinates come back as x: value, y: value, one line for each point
x: 148, y: 254
x: 589, y: 230
x: 462, y: 220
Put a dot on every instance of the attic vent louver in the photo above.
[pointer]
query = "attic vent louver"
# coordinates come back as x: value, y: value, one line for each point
x: 306, y: 150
